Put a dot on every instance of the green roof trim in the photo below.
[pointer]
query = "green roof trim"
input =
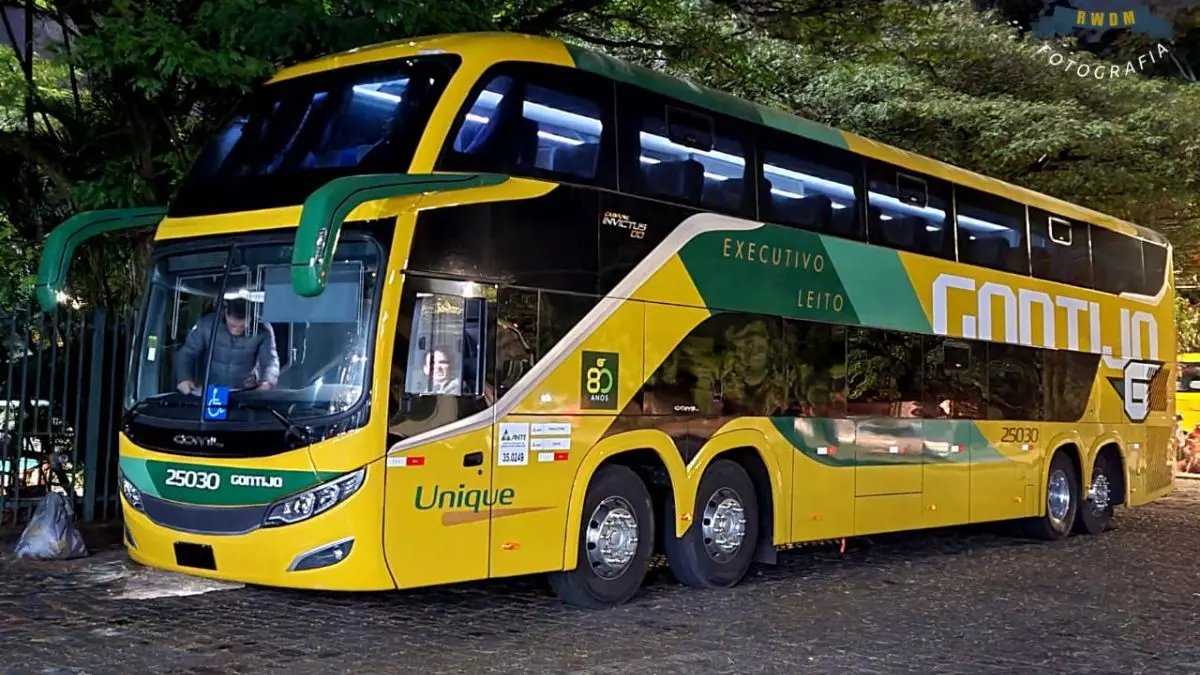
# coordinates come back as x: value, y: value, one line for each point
x: 64, y: 239
x: 716, y: 101
x: 325, y: 210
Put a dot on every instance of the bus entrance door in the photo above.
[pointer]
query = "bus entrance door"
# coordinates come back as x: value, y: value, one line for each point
x: 439, y: 465
x: 437, y: 511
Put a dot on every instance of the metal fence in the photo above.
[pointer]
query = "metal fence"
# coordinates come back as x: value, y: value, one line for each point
x: 61, y: 387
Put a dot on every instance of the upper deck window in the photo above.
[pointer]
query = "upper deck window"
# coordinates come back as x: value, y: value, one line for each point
x: 535, y: 120
x: 1060, y: 249
x: 290, y: 138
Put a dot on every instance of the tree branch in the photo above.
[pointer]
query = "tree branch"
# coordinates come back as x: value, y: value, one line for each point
x: 610, y: 43
x: 548, y: 19
x: 27, y: 149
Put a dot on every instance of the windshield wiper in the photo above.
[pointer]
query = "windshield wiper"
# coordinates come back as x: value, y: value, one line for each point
x: 163, y: 403
x: 292, y: 429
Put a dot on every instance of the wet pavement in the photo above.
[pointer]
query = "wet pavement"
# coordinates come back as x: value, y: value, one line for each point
x: 964, y: 600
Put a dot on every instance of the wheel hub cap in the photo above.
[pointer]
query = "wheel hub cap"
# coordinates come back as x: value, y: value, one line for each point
x: 1058, y: 497
x: 724, y: 525
x: 612, y: 537
x: 1099, y: 494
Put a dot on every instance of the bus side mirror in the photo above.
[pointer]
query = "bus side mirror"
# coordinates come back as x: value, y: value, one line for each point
x: 325, y: 210
x: 64, y: 239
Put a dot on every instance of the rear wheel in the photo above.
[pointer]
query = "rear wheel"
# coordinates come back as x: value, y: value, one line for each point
x: 1062, y: 501
x: 718, y: 548
x: 616, y: 539
x: 1096, y: 512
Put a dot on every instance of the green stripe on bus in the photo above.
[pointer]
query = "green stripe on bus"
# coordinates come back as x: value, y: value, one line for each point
x: 807, y: 435
x: 769, y: 270
x: 703, y: 97
x: 878, y: 285
x: 202, y: 485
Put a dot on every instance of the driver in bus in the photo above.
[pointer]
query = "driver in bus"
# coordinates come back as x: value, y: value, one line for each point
x: 239, y: 360
x: 438, y: 365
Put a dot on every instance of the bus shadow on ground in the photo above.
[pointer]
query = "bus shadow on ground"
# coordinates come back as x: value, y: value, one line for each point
x: 805, y: 561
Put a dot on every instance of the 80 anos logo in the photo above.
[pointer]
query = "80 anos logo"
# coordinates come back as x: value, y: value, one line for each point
x: 598, y: 386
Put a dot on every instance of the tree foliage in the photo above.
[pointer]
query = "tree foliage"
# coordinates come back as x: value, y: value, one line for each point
x: 124, y: 105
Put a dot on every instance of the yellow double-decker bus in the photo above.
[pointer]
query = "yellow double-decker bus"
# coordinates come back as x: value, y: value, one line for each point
x: 487, y: 305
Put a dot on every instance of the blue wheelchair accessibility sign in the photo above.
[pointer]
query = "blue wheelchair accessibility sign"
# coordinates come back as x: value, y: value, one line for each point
x: 216, y: 405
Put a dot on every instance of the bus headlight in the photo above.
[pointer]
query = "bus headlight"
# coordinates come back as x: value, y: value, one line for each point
x: 132, y: 494
x: 316, y: 500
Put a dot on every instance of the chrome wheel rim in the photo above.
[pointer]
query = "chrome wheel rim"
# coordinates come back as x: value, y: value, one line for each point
x: 1099, y: 494
x: 612, y: 537
x: 1058, y: 498
x: 723, y: 525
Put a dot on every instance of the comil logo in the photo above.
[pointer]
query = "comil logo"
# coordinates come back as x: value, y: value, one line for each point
x: 1091, y: 21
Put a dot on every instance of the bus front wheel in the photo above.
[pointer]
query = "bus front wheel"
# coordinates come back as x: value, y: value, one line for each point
x: 719, y: 546
x: 616, y: 539
x: 1062, y: 501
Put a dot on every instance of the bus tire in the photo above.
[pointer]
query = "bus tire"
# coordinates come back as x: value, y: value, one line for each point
x: 1062, y: 501
x: 718, y: 548
x: 1096, y: 512
x: 612, y: 564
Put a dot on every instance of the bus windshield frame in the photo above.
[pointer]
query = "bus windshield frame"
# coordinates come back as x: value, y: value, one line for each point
x: 288, y: 138
x: 259, y: 277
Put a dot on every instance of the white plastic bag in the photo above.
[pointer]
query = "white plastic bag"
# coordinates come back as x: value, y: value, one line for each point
x: 51, y: 534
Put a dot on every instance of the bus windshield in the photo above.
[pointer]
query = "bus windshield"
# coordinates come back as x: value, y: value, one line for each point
x: 228, y: 318
x: 289, y: 138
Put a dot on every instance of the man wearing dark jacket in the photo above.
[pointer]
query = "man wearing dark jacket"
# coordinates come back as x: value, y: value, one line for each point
x: 239, y: 360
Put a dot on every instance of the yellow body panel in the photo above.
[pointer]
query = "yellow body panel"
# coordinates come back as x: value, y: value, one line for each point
x: 1187, y: 403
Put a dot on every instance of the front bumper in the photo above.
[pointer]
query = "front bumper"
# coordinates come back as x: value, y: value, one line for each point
x: 342, y: 547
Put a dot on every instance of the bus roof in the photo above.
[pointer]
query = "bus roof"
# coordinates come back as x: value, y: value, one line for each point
x: 510, y: 46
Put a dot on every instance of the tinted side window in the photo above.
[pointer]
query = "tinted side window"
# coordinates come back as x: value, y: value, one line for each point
x: 908, y: 212
x: 530, y: 324
x: 1059, y: 249
x: 630, y: 227
x: 991, y: 231
x: 1067, y: 382
x: 540, y: 121
x: 883, y: 373
x: 1154, y: 261
x: 1014, y: 382
x: 955, y: 378
x: 683, y: 154
x: 516, y: 336
x: 494, y: 241
x: 815, y: 356
x: 728, y: 365
x: 557, y: 314
x: 1116, y: 261
x: 810, y: 186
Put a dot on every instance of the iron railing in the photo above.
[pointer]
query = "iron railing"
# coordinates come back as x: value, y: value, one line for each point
x: 61, y: 385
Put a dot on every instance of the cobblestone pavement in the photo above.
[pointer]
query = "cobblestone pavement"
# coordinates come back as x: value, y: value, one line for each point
x: 964, y: 600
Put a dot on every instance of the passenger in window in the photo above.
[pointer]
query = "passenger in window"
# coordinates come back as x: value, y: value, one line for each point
x: 239, y: 359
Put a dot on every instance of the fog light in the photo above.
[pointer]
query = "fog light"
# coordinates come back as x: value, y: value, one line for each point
x: 330, y: 554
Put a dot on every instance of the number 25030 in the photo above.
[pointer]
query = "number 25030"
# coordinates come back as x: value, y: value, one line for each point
x: 201, y: 480
x: 1019, y: 435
